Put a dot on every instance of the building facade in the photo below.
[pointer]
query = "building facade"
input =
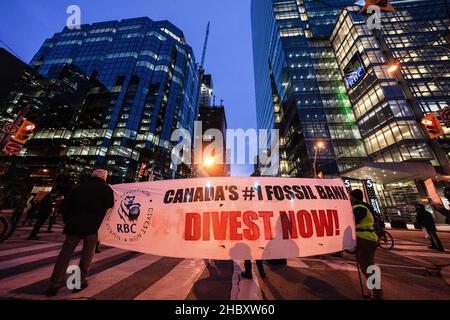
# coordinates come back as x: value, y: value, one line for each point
x: 214, y: 117
x: 151, y: 77
x: 60, y: 108
x: 389, y: 106
x: 299, y: 89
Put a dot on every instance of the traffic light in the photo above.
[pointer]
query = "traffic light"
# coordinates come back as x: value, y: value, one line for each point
x: 24, y: 133
x: 142, y: 171
x: 384, y: 5
x: 432, y: 126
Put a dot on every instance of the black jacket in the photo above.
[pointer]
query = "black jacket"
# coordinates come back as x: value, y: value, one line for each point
x: 85, y: 207
x: 425, y: 220
x: 46, y: 206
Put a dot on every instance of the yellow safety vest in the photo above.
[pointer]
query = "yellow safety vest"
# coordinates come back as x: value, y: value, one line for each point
x: 365, y: 228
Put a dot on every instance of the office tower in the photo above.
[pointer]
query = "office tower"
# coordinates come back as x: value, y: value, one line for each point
x: 389, y: 102
x: 152, y: 76
x: 299, y: 89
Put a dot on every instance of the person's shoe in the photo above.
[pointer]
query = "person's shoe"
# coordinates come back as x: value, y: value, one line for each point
x: 51, y: 292
x: 83, y: 286
x: 98, y: 251
x: 247, y: 275
x: 32, y: 237
x: 262, y: 274
x: 441, y: 249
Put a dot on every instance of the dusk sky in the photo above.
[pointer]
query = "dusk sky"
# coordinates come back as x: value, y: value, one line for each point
x: 25, y: 24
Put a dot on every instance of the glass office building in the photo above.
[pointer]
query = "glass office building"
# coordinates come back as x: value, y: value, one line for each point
x: 152, y: 77
x: 299, y: 89
x: 389, y: 106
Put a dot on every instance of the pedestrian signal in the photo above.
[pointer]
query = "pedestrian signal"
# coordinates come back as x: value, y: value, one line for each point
x: 142, y: 171
x: 24, y: 133
x: 432, y: 125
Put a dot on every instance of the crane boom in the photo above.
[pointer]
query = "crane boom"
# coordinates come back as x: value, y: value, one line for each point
x: 205, y: 46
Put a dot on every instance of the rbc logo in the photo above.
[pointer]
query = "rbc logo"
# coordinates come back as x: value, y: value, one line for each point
x: 129, y: 212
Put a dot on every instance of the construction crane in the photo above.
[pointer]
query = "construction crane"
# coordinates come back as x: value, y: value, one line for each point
x: 205, y: 46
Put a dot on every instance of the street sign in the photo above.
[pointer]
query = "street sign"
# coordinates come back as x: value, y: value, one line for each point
x: 445, y: 116
x: 10, y: 128
x: 12, y: 147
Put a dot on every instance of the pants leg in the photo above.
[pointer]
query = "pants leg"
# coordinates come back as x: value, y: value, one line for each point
x: 89, y: 245
x: 260, y: 266
x: 248, y: 266
x: 39, y: 223
x: 435, y: 240
x: 59, y: 272
x: 365, y: 253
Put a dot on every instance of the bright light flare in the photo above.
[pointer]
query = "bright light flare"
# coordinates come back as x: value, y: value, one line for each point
x: 210, y: 161
x: 393, y: 68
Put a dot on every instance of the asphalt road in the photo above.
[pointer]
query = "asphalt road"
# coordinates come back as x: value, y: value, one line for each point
x: 410, y: 271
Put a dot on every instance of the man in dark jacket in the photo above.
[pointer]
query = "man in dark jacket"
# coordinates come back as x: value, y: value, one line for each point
x: 83, y: 211
x: 44, y: 212
x: 425, y: 220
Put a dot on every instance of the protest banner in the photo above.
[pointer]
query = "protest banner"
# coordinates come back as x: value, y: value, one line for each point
x: 231, y: 218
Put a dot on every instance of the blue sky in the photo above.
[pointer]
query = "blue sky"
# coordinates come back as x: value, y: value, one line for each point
x: 25, y: 24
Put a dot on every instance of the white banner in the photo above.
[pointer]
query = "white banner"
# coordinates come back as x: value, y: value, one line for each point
x: 231, y: 218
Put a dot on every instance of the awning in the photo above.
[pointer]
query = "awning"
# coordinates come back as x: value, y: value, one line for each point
x: 388, y: 172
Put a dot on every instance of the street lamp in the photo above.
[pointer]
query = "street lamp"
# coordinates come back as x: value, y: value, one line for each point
x: 393, y: 68
x: 207, y: 162
x: 319, y: 145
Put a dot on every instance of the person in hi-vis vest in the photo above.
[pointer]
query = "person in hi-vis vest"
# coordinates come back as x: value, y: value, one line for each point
x: 366, y: 236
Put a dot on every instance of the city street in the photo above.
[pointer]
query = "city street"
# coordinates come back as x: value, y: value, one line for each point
x: 410, y: 271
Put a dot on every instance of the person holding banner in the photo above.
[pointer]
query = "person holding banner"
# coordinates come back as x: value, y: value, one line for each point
x: 426, y: 221
x: 366, y: 237
x: 83, y: 212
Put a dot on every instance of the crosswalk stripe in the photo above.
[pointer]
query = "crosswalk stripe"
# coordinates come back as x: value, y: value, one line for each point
x: 340, y: 265
x: 406, y: 242
x: 32, y: 258
x: 132, y: 286
x: 29, y: 248
x: 109, y: 277
x: 245, y: 289
x: 296, y: 263
x: 409, y: 247
x: 177, y: 284
x: 424, y: 254
x: 19, y: 280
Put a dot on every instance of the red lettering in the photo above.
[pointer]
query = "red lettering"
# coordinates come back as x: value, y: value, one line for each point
x: 288, y: 225
x: 305, y: 226
x: 206, y: 226
x: 220, y: 225
x: 193, y: 227
x: 323, y: 222
x: 266, y: 215
x: 235, y: 225
x: 252, y: 233
x: 336, y: 221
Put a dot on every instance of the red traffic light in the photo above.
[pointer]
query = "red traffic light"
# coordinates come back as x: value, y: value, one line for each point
x: 30, y: 127
x: 432, y: 125
x: 24, y: 133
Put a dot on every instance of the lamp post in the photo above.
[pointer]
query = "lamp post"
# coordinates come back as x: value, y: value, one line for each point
x: 394, y: 67
x: 319, y: 145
